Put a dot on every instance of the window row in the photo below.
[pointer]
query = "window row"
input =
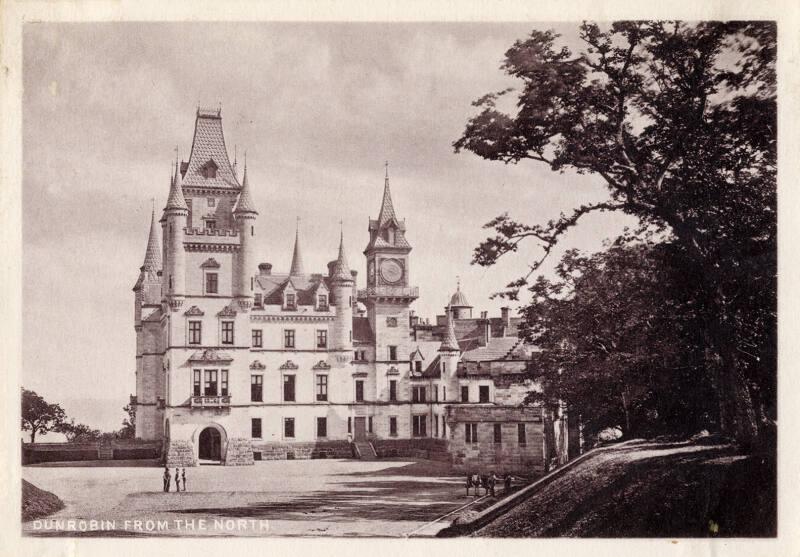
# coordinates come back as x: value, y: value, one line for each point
x: 289, y: 337
x: 288, y: 428
x: 483, y: 393
x: 290, y: 303
x: 210, y: 382
x: 196, y: 332
x: 471, y: 434
x: 289, y: 388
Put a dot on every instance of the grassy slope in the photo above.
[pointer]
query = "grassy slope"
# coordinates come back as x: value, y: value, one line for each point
x: 37, y: 503
x: 652, y: 489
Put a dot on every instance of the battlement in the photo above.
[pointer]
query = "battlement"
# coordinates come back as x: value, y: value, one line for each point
x: 222, y: 232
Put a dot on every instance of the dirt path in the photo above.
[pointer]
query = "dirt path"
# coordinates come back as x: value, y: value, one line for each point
x: 650, y: 489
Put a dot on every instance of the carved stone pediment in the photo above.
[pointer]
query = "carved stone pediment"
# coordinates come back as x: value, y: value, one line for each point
x: 210, y: 263
x: 210, y: 356
x: 289, y: 364
x: 257, y: 365
x: 392, y: 371
x: 322, y: 364
x: 227, y: 311
x: 193, y: 311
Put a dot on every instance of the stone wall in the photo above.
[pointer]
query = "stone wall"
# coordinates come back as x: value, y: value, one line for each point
x: 180, y: 453
x: 509, y: 455
x: 67, y: 452
x: 302, y: 451
x: 239, y: 453
x: 425, y: 447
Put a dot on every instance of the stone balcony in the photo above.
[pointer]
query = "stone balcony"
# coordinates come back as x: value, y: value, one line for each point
x: 406, y: 293
x: 210, y: 401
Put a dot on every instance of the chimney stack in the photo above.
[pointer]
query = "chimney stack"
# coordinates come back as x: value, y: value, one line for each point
x: 506, y: 317
x: 265, y: 269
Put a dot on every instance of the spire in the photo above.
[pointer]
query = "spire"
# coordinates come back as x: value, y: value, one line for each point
x: 297, y: 259
x: 176, y: 199
x: 341, y: 269
x: 245, y: 203
x: 387, y: 208
x: 450, y: 342
x: 152, y: 257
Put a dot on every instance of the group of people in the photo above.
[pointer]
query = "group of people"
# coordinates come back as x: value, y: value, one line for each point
x: 488, y: 483
x: 178, y: 478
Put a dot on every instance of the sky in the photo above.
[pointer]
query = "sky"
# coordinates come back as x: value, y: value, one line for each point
x: 318, y: 107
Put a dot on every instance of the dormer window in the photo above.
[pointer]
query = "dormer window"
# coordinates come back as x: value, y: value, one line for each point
x: 209, y: 170
x: 390, y: 233
x: 290, y: 300
x: 211, y: 224
x: 322, y: 302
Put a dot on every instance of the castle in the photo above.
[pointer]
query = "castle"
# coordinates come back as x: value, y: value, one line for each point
x: 236, y: 362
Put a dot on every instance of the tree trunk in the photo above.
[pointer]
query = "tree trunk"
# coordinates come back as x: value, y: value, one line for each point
x: 33, y: 436
x: 626, y: 412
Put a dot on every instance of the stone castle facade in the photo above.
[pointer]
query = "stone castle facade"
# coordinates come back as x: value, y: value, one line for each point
x: 236, y: 362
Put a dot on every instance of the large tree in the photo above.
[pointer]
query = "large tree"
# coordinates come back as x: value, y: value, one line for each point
x: 679, y: 121
x: 39, y: 416
x: 624, y: 357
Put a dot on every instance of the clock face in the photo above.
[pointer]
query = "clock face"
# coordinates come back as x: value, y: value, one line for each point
x: 391, y: 271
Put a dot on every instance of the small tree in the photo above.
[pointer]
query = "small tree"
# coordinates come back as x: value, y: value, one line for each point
x: 76, y: 433
x: 39, y: 416
x: 128, y: 430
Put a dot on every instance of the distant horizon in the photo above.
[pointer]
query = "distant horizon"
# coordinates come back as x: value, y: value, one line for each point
x: 318, y: 108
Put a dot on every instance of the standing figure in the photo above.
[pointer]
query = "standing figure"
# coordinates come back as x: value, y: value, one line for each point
x: 485, y: 484
x: 507, y: 482
x: 166, y: 478
x: 469, y: 482
x: 476, y: 482
x: 183, y: 476
x: 492, y: 482
x: 177, y: 480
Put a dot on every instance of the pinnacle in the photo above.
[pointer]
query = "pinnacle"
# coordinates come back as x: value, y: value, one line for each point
x: 387, y: 208
x: 245, y: 203
x: 176, y: 199
x: 341, y: 270
x: 152, y: 257
x: 450, y: 342
x: 297, y: 258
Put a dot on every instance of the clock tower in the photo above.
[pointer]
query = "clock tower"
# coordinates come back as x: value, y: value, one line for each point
x: 388, y: 295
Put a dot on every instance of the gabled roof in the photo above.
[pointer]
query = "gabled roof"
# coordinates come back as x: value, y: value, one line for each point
x: 272, y: 287
x: 208, y: 144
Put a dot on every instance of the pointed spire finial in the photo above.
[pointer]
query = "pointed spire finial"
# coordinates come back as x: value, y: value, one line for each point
x: 245, y: 202
x: 450, y: 341
x: 387, y: 207
x: 341, y: 269
x: 152, y: 256
x: 296, y: 268
x: 176, y: 199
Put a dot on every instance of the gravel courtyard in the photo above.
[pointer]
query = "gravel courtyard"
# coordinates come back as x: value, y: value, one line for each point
x: 270, y: 498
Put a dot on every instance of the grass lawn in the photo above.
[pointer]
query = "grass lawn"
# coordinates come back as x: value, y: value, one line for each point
x: 652, y: 489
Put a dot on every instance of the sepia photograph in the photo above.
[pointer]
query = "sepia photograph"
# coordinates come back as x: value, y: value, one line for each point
x: 399, y: 279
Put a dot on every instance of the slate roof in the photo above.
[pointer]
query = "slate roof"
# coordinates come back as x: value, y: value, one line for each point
x: 176, y: 199
x: 245, y: 202
x: 272, y: 287
x: 449, y: 341
x: 341, y: 269
x: 499, y: 348
x: 386, y: 218
x: 152, y: 256
x: 208, y: 144
x: 296, y: 268
x: 362, y: 332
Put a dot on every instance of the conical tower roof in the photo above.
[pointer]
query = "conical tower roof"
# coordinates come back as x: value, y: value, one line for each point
x: 245, y: 202
x: 387, y: 208
x: 450, y: 342
x: 341, y: 269
x: 176, y: 199
x: 152, y: 257
x: 297, y: 257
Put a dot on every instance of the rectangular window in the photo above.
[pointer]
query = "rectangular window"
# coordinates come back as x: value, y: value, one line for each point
x: 483, y: 393
x: 369, y: 424
x: 257, y: 299
x: 257, y: 388
x: 465, y: 393
x: 288, y: 428
x: 322, y: 302
x: 288, y: 388
x: 392, y: 390
x: 355, y: 355
x: 444, y: 393
x: 498, y: 433
x: 470, y: 433
x: 418, y: 394
x: 258, y: 338
x: 288, y: 338
x: 211, y: 224
x: 212, y: 283
x: 227, y: 332
x: 196, y: 383
x: 322, y: 427
x: 210, y: 387
x: 435, y: 393
x: 195, y: 332
x: 322, y: 388
x: 435, y: 428
x: 444, y: 368
x: 223, y: 382
x: 255, y: 428
x: 291, y: 301
x: 349, y: 425
x: 419, y: 426
x: 522, y: 438
x: 392, y: 426
x: 322, y: 338
x: 359, y: 390
x: 393, y: 353
x: 418, y: 366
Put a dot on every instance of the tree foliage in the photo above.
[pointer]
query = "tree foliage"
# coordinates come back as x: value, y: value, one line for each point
x: 39, y: 416
x: 77, y: 432
x: 680, y: 122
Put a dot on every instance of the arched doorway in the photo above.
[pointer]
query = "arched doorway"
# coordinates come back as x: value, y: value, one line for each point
x: 210, y: 445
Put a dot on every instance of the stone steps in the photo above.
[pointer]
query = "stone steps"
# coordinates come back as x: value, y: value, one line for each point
x: 365, y: 450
